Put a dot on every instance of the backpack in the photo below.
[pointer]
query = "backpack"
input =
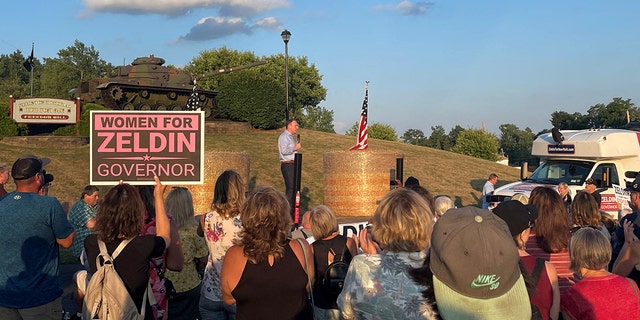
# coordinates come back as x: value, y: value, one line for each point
x: 333, y: 279
x: 106, y: 296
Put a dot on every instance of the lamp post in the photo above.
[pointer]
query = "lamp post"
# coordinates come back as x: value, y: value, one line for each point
x: 286, y: 35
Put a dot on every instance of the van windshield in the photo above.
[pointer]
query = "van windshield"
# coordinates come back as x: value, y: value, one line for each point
x: 572, y: 172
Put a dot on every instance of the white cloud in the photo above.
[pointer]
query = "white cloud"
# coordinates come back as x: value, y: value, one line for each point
x: 269, y: 23
x: 210, y: 28
x: 406, y: 7
x: 244, y: 8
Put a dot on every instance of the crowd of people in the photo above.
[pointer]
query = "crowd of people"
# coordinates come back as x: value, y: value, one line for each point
x: 549, y: 255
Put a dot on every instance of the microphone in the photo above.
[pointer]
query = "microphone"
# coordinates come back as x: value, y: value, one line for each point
x: 298, y: 138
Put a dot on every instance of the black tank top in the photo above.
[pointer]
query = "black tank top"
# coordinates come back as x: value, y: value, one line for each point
x: 273, y: 292
x: 322, y: 298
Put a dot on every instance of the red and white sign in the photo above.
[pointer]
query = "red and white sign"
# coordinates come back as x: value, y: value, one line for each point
x: 135, y: 146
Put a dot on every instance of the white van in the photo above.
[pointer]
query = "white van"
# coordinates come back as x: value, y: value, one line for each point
x: 609, y: 156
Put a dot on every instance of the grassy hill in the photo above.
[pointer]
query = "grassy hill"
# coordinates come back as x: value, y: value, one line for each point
x: 441, y: 172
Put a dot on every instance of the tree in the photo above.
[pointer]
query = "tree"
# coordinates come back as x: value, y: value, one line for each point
x: 453, y: 135
x: 15, y: 80
x: 382, y: 132
x: 73, y: 65
x: 317, y: 118
x: 305, y: 85
x: 565, y: 121
x: 438, y: 139
x: 415, y: 137
x: 612, y: 115
x: 516, y: 143
x: 376, y: 131
x: 476, y: 143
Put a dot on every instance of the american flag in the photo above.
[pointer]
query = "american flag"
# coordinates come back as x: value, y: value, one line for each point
x: 363, y: 133
x: 194, y: 103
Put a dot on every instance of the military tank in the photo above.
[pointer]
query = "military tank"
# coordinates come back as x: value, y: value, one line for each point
x: 148, y: 85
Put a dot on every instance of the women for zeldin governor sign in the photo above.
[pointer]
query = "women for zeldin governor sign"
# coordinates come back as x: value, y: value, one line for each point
x: 133, y: 146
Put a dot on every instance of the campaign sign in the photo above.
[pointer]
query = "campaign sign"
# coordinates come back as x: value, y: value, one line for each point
x: 134, y: 146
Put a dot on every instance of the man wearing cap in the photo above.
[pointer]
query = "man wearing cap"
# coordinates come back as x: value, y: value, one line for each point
x: 33, y: 227
x: 590, y: 187
x: 617, y: 239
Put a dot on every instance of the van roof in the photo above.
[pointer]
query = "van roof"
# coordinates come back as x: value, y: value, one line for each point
x: 589, y: 144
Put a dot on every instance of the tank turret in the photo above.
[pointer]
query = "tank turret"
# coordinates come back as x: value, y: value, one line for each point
x: 148, y: 85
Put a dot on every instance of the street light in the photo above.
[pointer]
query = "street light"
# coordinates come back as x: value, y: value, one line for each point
x: 286, y: 35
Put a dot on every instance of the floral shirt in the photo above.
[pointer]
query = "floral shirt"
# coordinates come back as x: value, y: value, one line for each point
x: 193, y: 247
x: 219, y: 234
x: 157, y: 282
x: 378, y: 286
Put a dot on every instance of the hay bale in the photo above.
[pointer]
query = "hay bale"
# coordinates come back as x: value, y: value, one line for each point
x: 355, y: 180
x: 215, y: 163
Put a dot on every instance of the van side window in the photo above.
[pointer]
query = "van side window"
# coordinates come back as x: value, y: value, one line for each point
x: 599, y: 172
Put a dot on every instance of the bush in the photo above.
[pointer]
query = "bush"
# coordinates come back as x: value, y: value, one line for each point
x: 8, y: 128
x: 247, y: 96
x: 477, y: 143
x: 85, y: 122
x: 69, y: 130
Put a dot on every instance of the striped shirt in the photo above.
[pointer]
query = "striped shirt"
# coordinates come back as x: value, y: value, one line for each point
x: 560, y: 260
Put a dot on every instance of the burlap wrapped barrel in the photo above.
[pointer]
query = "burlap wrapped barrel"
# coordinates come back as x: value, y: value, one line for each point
x: 355, y: 180
x: 215, y: 163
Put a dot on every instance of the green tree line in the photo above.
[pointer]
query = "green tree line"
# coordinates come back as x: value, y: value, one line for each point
x: 255, y: 95
x: 515, y: 143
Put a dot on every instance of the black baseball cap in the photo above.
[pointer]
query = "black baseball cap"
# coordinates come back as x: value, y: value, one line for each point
x: 28, y: 166
x: 517, y: 215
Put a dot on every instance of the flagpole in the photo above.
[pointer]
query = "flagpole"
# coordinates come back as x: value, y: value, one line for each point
x: 32, y: 45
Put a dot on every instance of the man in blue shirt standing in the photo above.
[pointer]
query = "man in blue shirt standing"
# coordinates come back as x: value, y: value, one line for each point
x: 32, y: 229
x: 487, y: 189
x: 287, y: 148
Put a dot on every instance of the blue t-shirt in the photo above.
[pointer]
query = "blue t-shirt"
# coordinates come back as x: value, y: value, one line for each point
x: 31, y: 223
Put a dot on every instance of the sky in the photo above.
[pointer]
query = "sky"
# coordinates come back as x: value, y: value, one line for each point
x: 428, y: 63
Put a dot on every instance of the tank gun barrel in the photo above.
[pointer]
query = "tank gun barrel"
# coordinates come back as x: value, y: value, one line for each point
x: 232, y: 69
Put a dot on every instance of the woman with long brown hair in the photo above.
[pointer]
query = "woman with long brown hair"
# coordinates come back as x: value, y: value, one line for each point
x: 120, y: 218
x: 266, y: 274
x: 550, y: 234
x: 585, y: 213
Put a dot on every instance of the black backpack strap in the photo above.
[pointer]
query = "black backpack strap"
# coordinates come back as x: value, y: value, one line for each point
x: 537, y: 269
x: 535, y: 274
x: 342, y: 253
